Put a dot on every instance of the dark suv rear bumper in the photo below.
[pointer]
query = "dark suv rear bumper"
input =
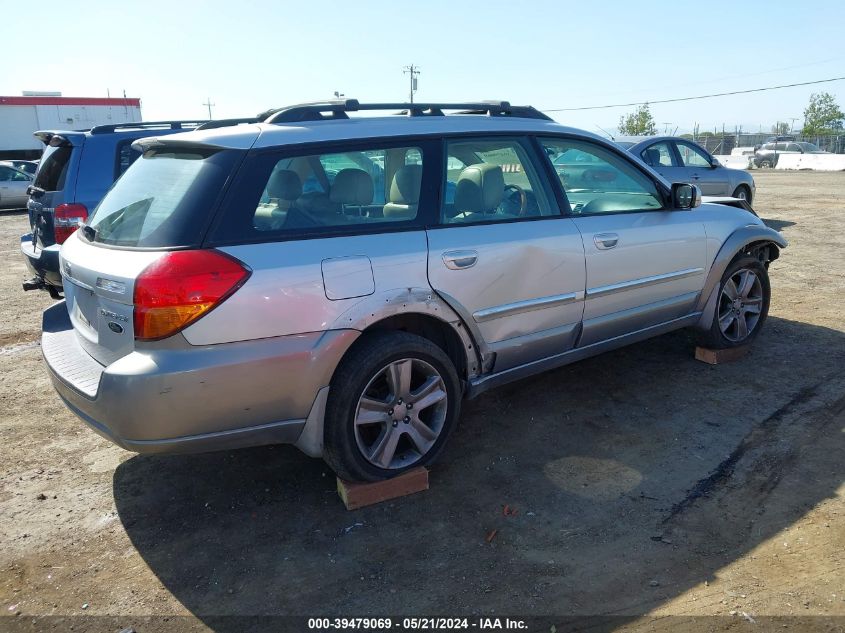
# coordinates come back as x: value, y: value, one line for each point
x: 42, y: 262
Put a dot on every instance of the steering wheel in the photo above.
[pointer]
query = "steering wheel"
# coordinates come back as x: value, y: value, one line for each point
x: 523, y: 198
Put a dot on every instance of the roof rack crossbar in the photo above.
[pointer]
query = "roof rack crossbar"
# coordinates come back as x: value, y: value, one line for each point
x: 174, y: 125
x: 337, y: 110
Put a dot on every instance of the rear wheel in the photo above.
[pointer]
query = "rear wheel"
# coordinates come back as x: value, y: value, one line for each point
x: 766, y: 164
x: 743, y: 192
x: 742, y: 307
x: 393, y: 401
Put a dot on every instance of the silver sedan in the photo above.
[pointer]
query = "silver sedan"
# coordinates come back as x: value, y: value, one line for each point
x: 13, y: 186
x: 681, y: 160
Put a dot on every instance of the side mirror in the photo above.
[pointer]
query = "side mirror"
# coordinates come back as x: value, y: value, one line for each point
x: 714, y: 163
x: 685, y: 196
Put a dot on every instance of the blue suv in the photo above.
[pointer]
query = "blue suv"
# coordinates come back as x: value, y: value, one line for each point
x: 75, y: 172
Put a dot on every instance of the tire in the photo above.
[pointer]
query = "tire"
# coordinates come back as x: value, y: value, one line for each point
x: 372, y: 429
x: 743, y: 192
x: 766, y: 164
x: 735, y: 320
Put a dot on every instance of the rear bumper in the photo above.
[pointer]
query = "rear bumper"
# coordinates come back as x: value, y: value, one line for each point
x: 42, y: 262
x: 190, y: 399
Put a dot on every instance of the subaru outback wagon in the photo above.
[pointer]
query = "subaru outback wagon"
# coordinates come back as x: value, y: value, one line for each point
x: 341, y: 283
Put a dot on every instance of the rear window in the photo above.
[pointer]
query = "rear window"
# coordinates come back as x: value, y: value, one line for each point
x: 164, y: 199
x: 52, y: 170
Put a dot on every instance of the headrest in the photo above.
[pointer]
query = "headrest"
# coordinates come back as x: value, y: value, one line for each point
x: 352, y: 186
x: 405, y: 188
x: 480, y: 188
x: 652, y: 156
x: 284, y: 185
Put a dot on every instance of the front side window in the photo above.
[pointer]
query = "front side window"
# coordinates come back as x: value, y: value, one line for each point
x: 658, y: 155
x: 597, y: 180
x: 692, y: 156
x: 340, y: 189
x: 491, y: 180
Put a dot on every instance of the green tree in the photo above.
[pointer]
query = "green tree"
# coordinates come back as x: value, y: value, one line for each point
x: 822, y: 115
x: 638, y: 123
x: 780, y: 128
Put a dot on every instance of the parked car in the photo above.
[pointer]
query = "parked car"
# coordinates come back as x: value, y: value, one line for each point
x: 13, y: 186
x: 26, y: 166
x: 767, y: 155
x: 211, y: 303
x: 75, y: 171
x: 681, y: 160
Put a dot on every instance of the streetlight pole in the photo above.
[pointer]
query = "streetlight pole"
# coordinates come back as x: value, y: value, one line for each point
x: 412, y: 71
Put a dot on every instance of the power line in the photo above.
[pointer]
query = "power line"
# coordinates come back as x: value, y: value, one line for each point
x: 709, y: 96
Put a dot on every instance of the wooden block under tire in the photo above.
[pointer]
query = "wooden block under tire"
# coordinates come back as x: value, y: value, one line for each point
x: 358, y: 495
x: 720, y: 356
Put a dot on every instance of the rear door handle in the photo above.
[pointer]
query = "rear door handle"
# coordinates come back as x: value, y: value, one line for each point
x: 456, y: 260
x: 604, y: 241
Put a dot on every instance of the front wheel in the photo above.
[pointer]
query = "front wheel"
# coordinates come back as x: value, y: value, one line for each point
x: 393, y: 401
x: 742, y: 306
x: 743, y: 192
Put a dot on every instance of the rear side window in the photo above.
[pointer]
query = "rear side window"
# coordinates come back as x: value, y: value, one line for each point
x: 126, y: 155
x: 366, y: 188
x: 52, y: 171
x: 164, y: 199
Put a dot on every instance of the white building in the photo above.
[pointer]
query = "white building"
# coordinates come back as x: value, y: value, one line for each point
x: 21, y: 116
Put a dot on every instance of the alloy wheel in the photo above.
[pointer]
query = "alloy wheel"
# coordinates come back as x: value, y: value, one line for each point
x: 740, y: 305
x: 400, y: 414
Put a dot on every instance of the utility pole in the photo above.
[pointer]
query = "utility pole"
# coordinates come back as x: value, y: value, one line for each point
x: 412, y: 71
x: 209, y: 104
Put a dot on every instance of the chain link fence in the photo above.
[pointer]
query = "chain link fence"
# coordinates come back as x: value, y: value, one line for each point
x: 723, y: 144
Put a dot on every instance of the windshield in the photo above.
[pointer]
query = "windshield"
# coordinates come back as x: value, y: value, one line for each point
x: 164, y: 199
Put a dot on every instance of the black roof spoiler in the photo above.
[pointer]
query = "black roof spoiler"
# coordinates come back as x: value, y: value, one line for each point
x: 153, y: 142
x: 210, y: 125
x: 141, y: 125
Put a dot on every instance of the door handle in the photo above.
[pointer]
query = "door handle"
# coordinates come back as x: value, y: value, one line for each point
x: 604, y: 241
x: 456, y: 260
x: 695, y: 176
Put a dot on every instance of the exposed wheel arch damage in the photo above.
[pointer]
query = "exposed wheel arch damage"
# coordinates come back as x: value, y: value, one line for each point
x: 758, y: 240
x: 418, y: 311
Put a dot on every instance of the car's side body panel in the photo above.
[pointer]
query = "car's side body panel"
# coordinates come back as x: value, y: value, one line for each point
x: 524, y: 286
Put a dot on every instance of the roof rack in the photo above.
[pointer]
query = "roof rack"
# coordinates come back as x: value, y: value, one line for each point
x: 319, y: 111
x: 174, y: 125
x: 210, y: 125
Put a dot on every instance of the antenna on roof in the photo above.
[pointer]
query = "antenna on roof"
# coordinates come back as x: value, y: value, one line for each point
x: 610, y: 136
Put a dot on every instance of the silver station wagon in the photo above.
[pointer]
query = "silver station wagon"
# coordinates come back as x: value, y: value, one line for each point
x: 342, y: 282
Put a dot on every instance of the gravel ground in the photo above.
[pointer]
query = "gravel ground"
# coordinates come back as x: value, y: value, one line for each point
x: 648, y: 486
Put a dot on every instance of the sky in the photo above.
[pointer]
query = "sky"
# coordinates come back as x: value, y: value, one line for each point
x: 252, y: 55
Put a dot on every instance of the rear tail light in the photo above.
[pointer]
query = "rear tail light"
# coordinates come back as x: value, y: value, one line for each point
x: 180, y: 287
x: 66, y: 219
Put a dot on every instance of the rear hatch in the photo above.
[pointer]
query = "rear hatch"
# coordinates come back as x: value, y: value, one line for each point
x: 54, y: 184
x: 162, y: 205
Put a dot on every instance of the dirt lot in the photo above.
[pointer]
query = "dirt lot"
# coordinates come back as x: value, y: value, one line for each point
x: 648, y: 486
